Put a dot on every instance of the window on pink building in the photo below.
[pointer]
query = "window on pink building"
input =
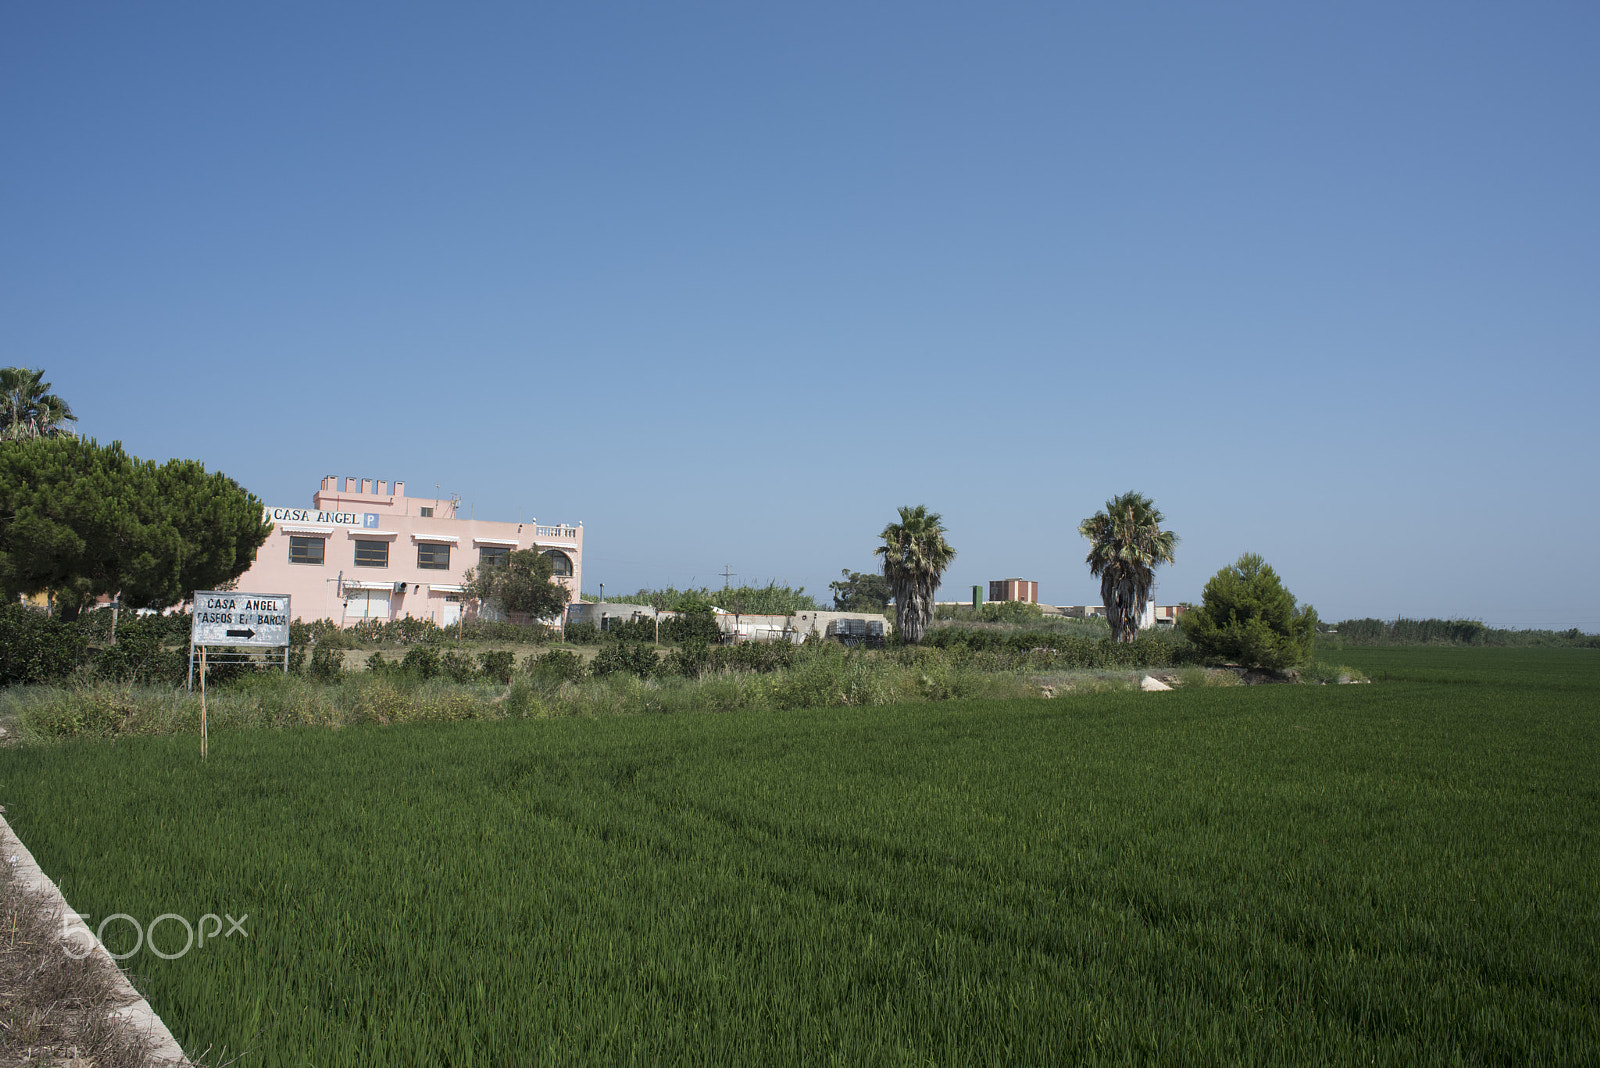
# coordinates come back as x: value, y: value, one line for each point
x: 372, y: 554
x: 432, y: 557
x: 306, y: 550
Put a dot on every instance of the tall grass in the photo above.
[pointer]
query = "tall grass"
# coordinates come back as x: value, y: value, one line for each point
x: 427, y: 686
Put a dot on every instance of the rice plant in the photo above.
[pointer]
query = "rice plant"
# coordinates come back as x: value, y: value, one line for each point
x: 1399, y: 873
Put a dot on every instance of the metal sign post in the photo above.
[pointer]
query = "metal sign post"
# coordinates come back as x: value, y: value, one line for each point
x: 203, y: 702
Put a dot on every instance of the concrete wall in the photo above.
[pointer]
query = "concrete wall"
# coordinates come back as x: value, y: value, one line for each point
x: 1154, y: 614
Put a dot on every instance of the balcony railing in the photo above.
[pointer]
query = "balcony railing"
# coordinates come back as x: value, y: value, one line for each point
x: 556, y: 532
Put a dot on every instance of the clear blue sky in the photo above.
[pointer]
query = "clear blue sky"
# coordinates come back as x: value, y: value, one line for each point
x: 730, y: 282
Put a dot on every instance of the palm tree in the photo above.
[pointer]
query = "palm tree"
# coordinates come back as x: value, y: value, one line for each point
x: 1126, y: 544
x: 915, y: 555
x: 28, y: 409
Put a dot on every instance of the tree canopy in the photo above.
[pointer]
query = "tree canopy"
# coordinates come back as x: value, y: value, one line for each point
x: 28, y: 409
x: 915, y: 555
x: 1126, y: 543
x: 771, y: 599
x: 859, y: 591
x: 82, y: 520
x: 523, y: 584
x: 1246, y: 616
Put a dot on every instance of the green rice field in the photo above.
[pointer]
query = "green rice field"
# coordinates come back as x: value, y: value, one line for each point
x: 1396, y: 873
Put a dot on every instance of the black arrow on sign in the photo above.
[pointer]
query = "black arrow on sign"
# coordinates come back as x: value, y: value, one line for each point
x: 241, y: 634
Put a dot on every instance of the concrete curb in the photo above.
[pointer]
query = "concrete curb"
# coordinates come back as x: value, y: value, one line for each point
x: 135, y: 1013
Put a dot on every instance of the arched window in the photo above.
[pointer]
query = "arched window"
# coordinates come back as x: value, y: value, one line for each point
x: 561, y: 563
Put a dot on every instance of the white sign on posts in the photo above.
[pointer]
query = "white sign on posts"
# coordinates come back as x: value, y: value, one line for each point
x: 225, y: 618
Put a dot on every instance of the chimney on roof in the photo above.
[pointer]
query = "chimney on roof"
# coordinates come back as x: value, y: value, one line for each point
x: 399, y: 489
x: 366, y: 485
x: 383, y: 487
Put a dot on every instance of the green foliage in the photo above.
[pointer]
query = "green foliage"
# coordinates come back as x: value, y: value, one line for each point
x: 690, y: 660
x: 634, y: 658
x: 95, y: 710
x: 695, y: 659
x: 140, y: 655
x: 413, y: 631
x: 696, y: 622
x: 493, y: 630
x: 422, y: 661
x: 1015, y: 612
x: 458, y: 666
x: 1404, y: 631
x: 521, y: 586
x: 556, y: 666
x: 771, y: 599
x: 497, y: 665
x: 1326, y: 674
x: 583, y: 634
x: 28, y: 410
x: 915, y: 555
x: 82, y: 520
x: 172, y: 628
x: 760, y: 657
x: 1126, y: 545
x: 1057, y: 650
x: 629, y: 630
x: 35, y: 648
x: 861, y: 591
x: 1247, y: 617
x: 327, y: 663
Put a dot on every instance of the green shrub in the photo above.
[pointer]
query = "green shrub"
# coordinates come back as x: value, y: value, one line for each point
x: 138, y: 656
x: 421, y: 661
x: 35, y: 648
x: 498, y: 664
x: 629, y: 630
x: 696, y: 621
x: 583, y: 634
x: 325, y: 632
x: 625, y: 657
x: 365, y: 632
x: 1247, y: 617
x: 97, y: 710
x: 762, y: 657
x: 327, y: 663
x: 689, y: 660
x: 558, y: 665
x: 457, y: 666
x: 992, y: 612
x: 521, y: 700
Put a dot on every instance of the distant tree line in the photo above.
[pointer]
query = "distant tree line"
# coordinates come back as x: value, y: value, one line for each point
x: 1448, y: 632
x: 769, y: 600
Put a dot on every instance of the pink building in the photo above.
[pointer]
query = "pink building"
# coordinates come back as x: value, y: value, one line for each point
x: 370, y: 552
